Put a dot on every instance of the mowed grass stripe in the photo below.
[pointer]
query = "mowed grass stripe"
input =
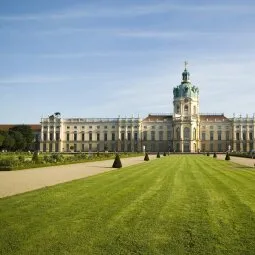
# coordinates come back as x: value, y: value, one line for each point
x: 229, y: 213
x: 172, y: 205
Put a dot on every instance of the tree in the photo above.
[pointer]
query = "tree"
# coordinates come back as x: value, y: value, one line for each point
x: 158, y: 155
x: 27, y: 133
x: 35, y: 157
x: 214, y: 155
x: 8, y: 142
x: 117, y: 163
x: 164, y: 154
x: 20, y: 141
x: 146, y: 158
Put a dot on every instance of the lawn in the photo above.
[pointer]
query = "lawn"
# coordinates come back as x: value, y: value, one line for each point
x: 172, y: 205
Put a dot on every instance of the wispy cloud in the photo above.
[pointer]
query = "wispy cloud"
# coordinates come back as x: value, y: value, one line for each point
x: 130, y: 10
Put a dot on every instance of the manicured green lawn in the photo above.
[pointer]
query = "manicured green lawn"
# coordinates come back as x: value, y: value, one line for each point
x: 172, y: 205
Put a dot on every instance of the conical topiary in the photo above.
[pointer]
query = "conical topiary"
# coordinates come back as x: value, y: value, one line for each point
x: 117, y: 162
x: 227, y: 157
x: 214, y: 155
x: 164, y: 154
x: 146, y: 158
x: 158, y: 155
x: 208, y: 154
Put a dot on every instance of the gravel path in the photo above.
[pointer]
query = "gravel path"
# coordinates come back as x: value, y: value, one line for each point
x: 15, y: 182
x: 242, y: 161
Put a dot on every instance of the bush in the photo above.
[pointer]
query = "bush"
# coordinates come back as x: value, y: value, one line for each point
x: 117, y: 162
x: 227, y: 157
x: 214, y: 155
x: 164, y: 154
x: 158, y: 155
x: 146, y: 158
x: 35, y: 157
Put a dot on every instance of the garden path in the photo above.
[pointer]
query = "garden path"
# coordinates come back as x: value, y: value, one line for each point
x: 20, y: 181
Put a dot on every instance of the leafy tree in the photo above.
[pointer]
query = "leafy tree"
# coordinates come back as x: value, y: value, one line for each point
x: 8, y: 142
x: 20, y: 141
x: 27, y: 133
x: 2, y: 137
x: 117, y: 163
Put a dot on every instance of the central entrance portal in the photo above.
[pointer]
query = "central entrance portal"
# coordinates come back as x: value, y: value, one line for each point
x: 186, y: 147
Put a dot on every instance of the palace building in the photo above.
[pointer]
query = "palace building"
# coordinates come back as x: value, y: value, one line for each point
x: 186, y: 130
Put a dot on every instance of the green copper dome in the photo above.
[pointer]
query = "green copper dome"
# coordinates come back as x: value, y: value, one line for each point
x: 186, y: 89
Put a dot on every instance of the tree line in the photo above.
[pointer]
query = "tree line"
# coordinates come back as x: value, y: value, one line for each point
x: 17, y: 138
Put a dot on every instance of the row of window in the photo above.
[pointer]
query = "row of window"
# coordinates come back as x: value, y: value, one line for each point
x: 105, y: 136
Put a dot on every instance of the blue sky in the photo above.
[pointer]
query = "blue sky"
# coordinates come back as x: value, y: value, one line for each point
x: 108, y: 58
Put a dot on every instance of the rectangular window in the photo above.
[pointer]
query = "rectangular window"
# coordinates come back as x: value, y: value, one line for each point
x: 161, y: 135
x: 122, y: 136
x: 237, y: 136
x: 98, y: 127
x: 51, y: 136
x: 75, y: 127
x: 145, y: 135
x: 75, y: 136
x: 44, y: 136
x: 169, y: 135
x: 250, y: 136
x: 83, y: 137
x: 244, y: 135
x: 57, y: 136
x: 75, y: 147
x: 203, y: 136
x: 98, y: 136
x: 227, y: 135
x: 152, y: 135
x: 135, y: 136
x: 105, y: 136
x: 83, y: 147
x: 211, y: 135
x: 105, y: 127
x: 90, y: 147
x: 90, y: 136
x: 67, y: 136
x: 219, y: 135
x: 113, y: 136
x: 113, y: 127
x: 129, y: 136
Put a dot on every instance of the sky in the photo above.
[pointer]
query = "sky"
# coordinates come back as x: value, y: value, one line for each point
x: 110, y: 58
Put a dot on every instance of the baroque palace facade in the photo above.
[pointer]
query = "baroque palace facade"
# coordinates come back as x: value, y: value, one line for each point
x: 186, y: 130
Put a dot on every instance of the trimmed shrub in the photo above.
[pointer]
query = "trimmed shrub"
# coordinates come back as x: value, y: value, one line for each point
x: 35, y: 157
x: 227, y: 157
x: 158, y: 155
x: 117, y: 162
x: 214, y: 155
x: 146, y: 158
x: 164, y: 154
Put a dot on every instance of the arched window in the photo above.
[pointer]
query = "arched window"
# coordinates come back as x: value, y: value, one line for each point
x: 177, y: 109
x: 186, y: 133
x: 178, y: 135
x: 194, y: 109
x: 194, y: 134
